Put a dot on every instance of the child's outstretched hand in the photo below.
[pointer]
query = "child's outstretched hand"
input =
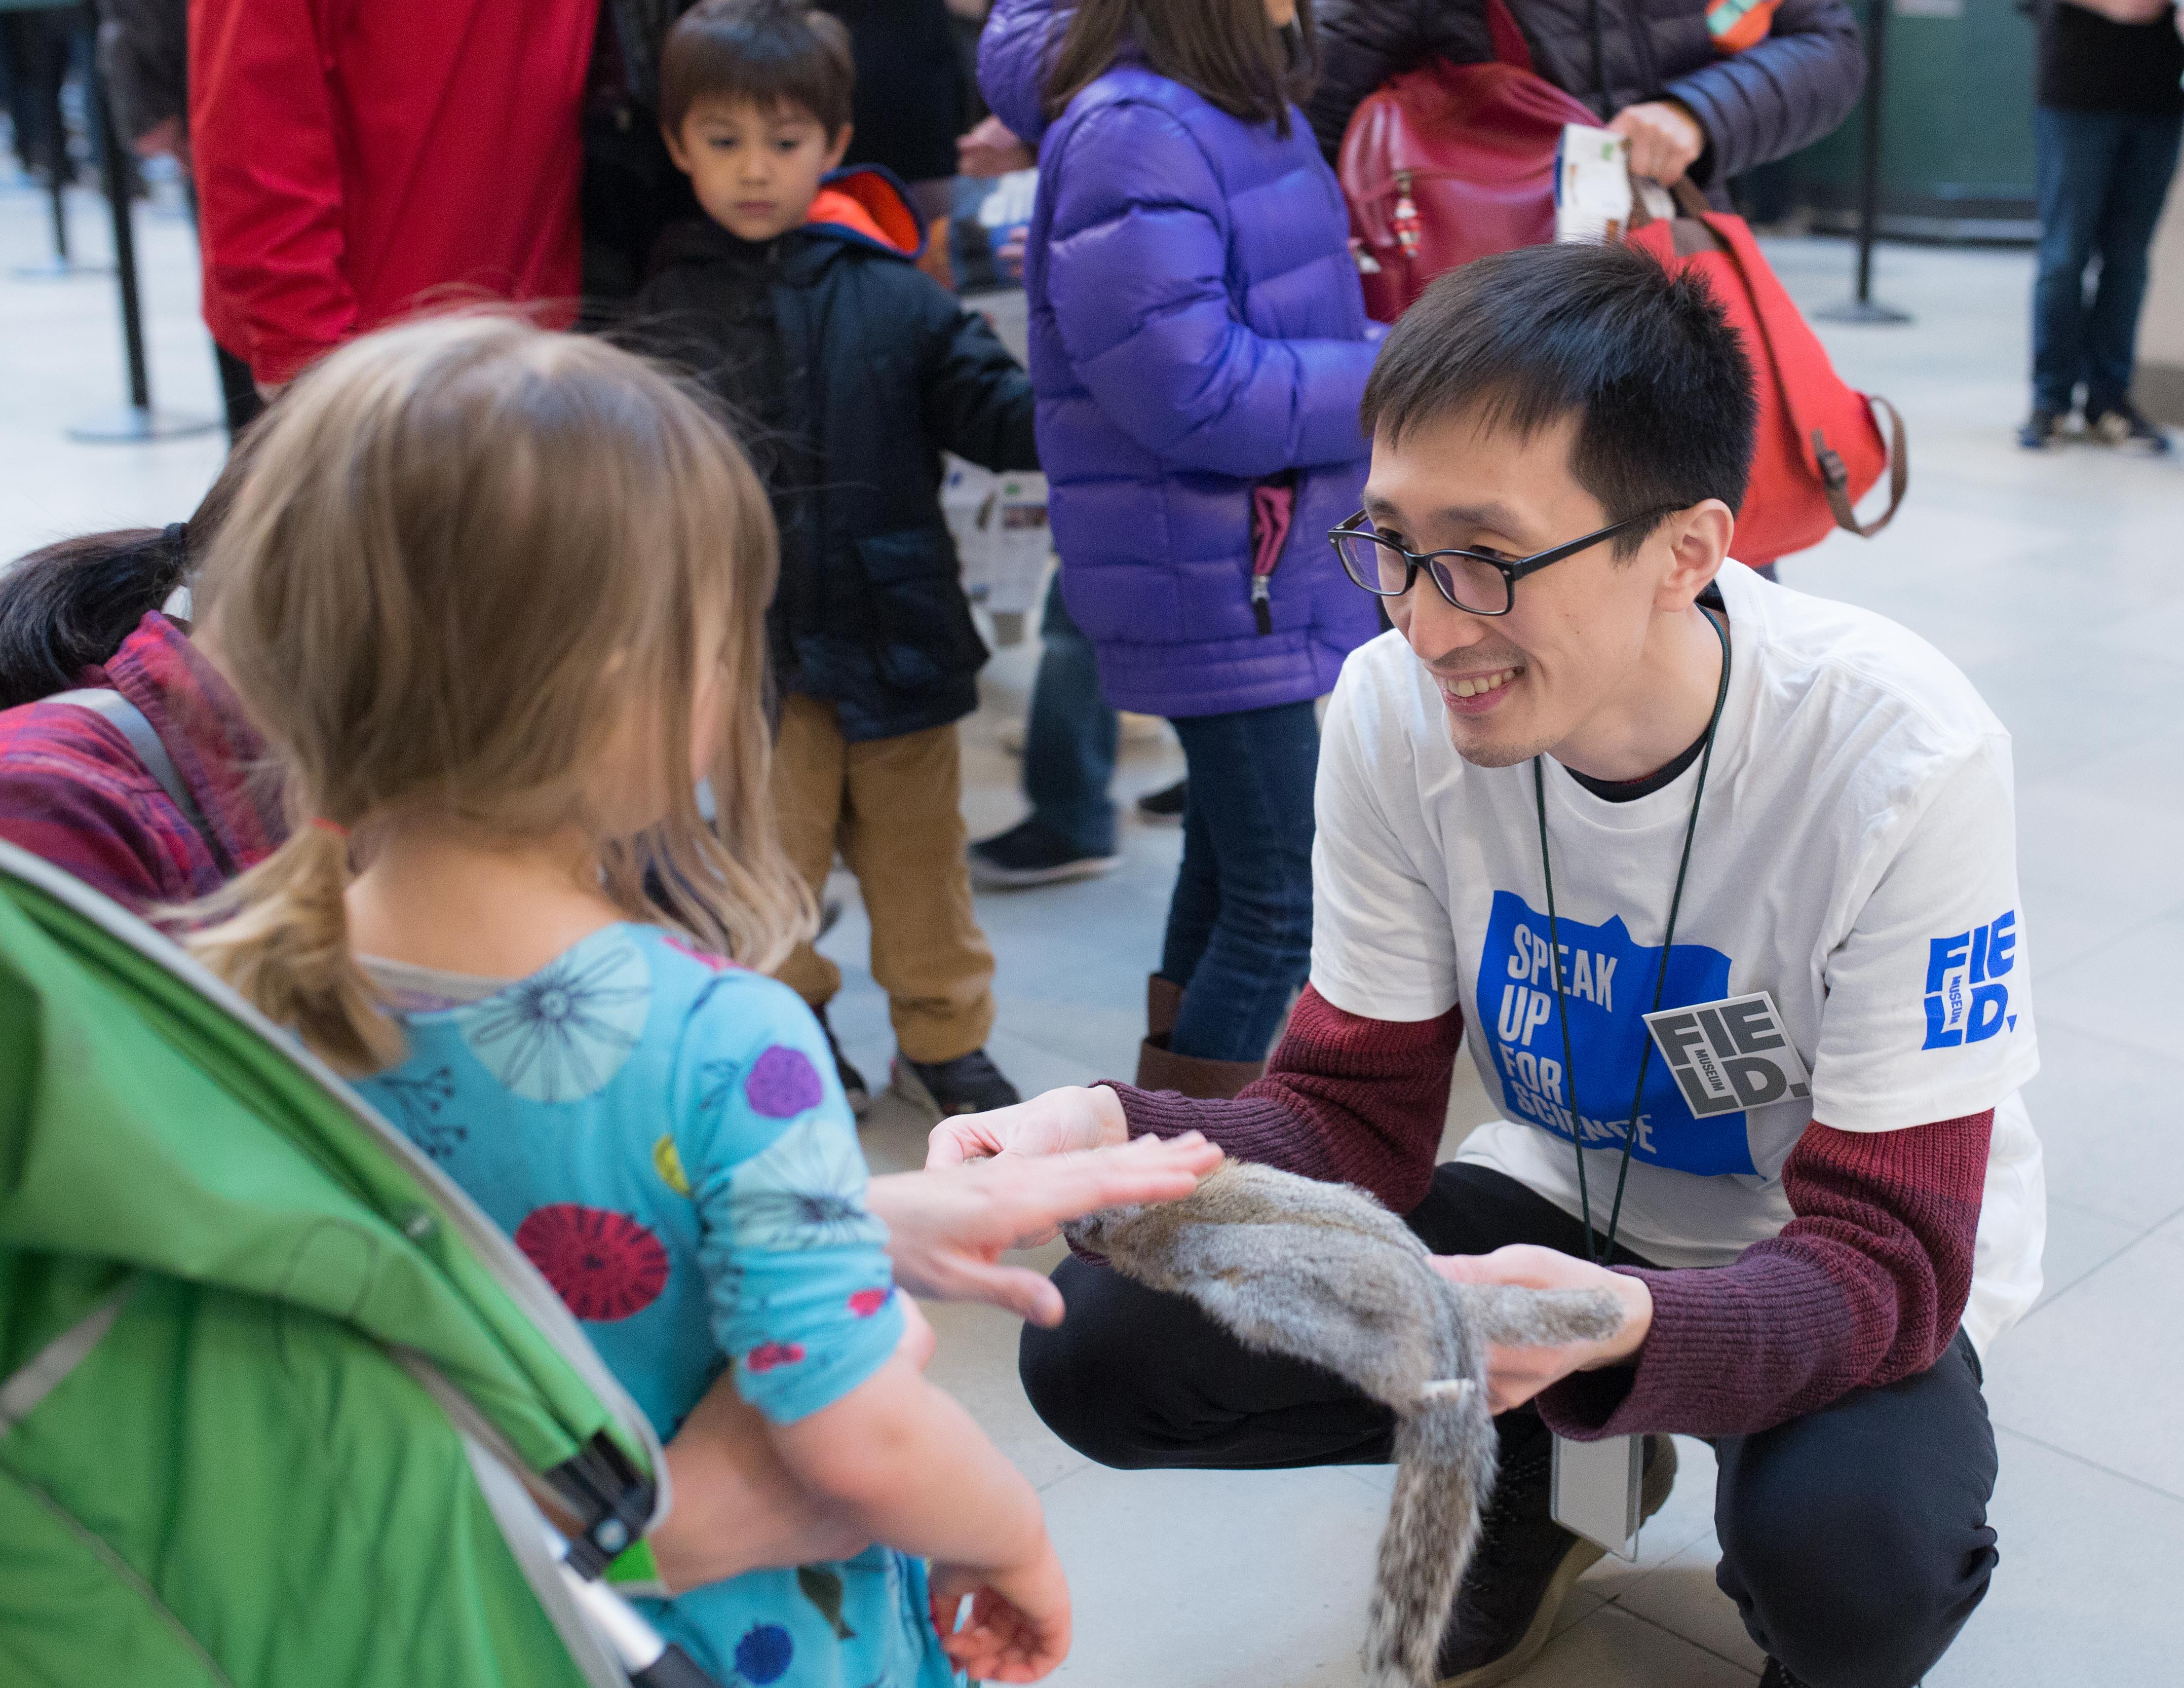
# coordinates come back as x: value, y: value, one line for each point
x: 1018, y: 1627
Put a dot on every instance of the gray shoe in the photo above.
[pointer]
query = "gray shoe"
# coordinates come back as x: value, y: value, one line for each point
x: 2124, y: 424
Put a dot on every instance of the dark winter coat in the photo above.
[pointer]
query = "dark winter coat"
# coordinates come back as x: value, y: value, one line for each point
x: 880, y: 370
x: 1755, y: 106
x: 143, y: 54
x: 1196, y: 329
x: 910, y: 92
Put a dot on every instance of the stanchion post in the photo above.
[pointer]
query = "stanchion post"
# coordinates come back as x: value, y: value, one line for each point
x: 139, y: 422
x: 1862, y: 307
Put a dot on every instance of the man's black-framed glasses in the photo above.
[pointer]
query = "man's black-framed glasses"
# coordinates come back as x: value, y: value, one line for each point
x: 1473, y: 582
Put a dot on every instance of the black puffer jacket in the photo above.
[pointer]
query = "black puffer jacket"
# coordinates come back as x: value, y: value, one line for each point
x: 863, y: 370
x: 1755, y: 106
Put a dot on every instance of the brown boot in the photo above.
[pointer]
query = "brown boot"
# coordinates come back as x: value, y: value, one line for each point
x: 1163, y: 1002
x: 1159, y: 1068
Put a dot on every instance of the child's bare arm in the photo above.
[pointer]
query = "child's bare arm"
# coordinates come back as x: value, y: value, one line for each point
x: 915, y: 1471
x: 905, y: 1462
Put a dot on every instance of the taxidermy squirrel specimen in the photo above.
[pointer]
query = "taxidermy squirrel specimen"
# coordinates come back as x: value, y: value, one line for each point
x: 1322, y: 1272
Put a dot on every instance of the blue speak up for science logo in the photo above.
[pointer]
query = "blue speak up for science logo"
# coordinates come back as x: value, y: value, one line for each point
x: 1966, y: 1001
x: 1608, y: 981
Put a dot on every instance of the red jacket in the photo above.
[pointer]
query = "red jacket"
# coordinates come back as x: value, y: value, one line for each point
x: 356, y: 159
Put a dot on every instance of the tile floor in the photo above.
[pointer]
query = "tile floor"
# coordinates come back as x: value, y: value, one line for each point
x: 2055, y: 581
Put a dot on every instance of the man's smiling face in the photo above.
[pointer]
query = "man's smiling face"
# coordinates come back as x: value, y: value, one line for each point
x: 1514, y: 686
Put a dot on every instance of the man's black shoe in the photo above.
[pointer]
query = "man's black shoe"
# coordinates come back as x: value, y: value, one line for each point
x: 1165, y: 804
x: 1777, y: 1675
x: 969, y: 1084
x: 1523, y: 1570
x: 853, y: 1081
x: 1030, y: 852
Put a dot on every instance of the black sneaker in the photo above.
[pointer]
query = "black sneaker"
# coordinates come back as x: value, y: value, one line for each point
x: 853, y: 1081
x: 1165, y: 804
x: 2124, y: 424
x: 1032, y: 853
x: 1777, y: 1675
x: 2040, y: 430
x: 1523, y: 1568
x: 969, y: 1084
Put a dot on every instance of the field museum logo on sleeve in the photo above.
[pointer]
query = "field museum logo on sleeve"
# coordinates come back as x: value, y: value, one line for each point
x: 1966, y: 1000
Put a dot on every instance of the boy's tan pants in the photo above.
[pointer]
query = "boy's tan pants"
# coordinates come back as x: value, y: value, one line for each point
x: 891, y: 806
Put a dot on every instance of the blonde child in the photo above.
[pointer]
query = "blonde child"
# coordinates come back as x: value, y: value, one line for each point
x: 496, y: 596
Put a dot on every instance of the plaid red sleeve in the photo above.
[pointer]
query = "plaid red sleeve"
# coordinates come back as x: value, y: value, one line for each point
x: 1864, y: 1287
x: 1345, y: 1100
x: 72, y: 792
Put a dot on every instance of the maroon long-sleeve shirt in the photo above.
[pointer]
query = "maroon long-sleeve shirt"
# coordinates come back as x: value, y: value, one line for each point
x: 1865, y: 1285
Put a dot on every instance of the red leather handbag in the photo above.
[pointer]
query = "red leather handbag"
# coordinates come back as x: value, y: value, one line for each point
x: 1447, y: 163
x: 1819, y: 448
x: 1450, y: 162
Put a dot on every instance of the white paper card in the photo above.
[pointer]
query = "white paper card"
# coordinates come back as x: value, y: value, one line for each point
x: 1595, y: 1491
x: 1592, y: 185
x: 1730, y: 1055
x: 998, y: 523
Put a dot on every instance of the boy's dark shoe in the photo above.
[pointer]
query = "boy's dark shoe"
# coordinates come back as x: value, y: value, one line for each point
x: 2040, y: 430
x: 969, y: 1084
x: 2124, y: 424
x: 1777, y: 1675
x: 1523, y: 1568
x: 853, y: 1081
x: 1032, y: 853
x: 1166, y: 803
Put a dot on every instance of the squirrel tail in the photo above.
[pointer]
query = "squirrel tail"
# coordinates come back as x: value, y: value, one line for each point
x: 1445, y: 1458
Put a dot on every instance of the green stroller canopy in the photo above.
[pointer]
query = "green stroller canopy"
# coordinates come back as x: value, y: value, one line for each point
x: 272, y: 1389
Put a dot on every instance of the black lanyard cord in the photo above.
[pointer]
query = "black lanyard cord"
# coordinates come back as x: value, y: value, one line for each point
x: 1660, y: 977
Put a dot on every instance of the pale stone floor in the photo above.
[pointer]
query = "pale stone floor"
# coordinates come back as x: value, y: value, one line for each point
x: 2055, y: 581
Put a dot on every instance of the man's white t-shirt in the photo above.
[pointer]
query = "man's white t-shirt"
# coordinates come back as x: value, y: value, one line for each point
x: 1855, y: 857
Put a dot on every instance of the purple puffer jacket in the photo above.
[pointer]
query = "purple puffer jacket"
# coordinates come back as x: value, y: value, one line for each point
x: 1196, y: 328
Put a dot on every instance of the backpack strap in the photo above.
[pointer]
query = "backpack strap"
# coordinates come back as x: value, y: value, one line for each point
x: 1836, y: 478
x: 129, y: 720
x: 1510, y: 47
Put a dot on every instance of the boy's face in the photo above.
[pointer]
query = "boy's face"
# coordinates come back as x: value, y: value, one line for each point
x: 755, y: 169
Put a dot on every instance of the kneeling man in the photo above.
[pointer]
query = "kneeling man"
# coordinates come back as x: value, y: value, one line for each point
x: 1722, y: 880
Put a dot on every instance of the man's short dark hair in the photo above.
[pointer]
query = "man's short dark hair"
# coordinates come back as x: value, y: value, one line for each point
x: 1647, y: 361
x: 767, y: 52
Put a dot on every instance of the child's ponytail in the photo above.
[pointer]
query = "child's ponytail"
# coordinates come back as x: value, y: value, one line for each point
x: 281, y: 937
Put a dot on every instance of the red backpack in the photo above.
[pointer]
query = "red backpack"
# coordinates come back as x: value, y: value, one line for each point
x: 1818, y: 447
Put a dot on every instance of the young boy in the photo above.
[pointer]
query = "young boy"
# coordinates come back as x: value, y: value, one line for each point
x: 798, y: 301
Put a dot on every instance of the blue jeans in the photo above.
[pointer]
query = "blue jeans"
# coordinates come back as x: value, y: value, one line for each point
x: 2103, y: 178
x: 1240, y: 925
x: 1069, y: 741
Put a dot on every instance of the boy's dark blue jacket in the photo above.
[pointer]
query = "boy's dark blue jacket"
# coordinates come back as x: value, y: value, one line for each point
x: 848, y: 389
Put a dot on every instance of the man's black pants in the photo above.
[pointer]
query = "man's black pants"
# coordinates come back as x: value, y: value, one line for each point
x: 1854, y: 1541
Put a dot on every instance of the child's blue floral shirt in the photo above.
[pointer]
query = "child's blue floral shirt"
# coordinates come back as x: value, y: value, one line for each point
x: 665, y: 1137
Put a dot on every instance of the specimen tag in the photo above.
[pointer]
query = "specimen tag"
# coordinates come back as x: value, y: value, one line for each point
x: 1595, y: 1491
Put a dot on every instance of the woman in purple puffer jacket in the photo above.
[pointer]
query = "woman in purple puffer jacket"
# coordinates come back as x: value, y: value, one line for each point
x: 1199, y: 343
